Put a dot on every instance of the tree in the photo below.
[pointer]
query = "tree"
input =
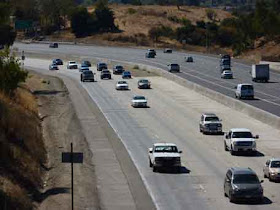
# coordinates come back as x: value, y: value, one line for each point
x: 154, y: 33
x: 211, y: 14
x: 104, y: 16
x: 79, y: 22
x: 7, y: 34
x: 11, y: 75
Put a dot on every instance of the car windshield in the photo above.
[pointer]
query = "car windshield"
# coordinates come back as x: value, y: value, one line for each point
x: 119, y: 67
x: 275, y: 164
x: 247, y: 87
x: 139, y: 98
x: 102, y: 65
x: 211, y: 119
x: 144, y: 81
x: 126, y: 73
x: 242, y: 135
x: 245, y: 179
x: 88, y: 72
x: 72, y: 62
x: 227, y: 72
x: 105, y: 71
x: 166, y: 149
x: 174, y: 65
x: 122, y: 82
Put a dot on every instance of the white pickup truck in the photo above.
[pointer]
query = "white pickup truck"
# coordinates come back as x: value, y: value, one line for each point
x: 165, y: 155
x: 240, y: 139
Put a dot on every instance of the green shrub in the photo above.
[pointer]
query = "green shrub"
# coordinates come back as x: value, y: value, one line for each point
x: 131, y: 11
x: 11, y: 73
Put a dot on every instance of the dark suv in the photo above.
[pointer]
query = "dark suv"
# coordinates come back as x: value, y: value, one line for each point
x: 242, y: 184
x: 101, y: 66
x: 105, y: 73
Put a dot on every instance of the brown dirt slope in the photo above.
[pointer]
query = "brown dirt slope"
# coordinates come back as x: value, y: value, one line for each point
x: 36, y: 126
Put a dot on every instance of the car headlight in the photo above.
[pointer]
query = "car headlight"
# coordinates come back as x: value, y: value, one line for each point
x: 219, y: 125
x: 235, y: 188
x: 207, y: 125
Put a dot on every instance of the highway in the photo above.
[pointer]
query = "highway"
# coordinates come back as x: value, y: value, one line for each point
x: 173, y: 116
x: 204, y: 71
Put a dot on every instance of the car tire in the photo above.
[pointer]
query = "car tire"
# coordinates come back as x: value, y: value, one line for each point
x: 269, y: 178
x: 200, y: 129
x: 178, y: 169
x: 231, y: 199
x: 154, y: 169
x: 225, y: 146
x: 232, y: 152
x: 150, y: 163
x: 264, y: 176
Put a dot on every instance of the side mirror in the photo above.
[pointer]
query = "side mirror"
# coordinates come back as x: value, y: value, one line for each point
x: 226, y: 136
x: 261, y: 181
x: 150, y: 150
x: 257, y: 137
x: 227, y: 180
x: 180, y: 152
x: 235, y: 87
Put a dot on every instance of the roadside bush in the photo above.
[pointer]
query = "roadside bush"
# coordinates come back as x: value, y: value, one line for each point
x: 131, y: 11
x: 10, y: 73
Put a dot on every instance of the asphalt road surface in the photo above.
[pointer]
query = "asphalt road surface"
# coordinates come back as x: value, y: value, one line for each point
x: 173, y: 116
x: 204, y: 71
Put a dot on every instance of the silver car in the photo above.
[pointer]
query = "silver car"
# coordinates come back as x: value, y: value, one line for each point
x: 271, y: 169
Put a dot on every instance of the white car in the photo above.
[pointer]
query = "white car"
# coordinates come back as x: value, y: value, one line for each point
x: 139, y: 101
x: 227, y: 74
x: 72, y: 65
x: 239, y: 140
x: 122, y: 85
x: 271, y: 169
x: 165, y: 155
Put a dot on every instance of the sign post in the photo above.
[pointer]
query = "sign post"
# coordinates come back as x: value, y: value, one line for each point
x: 72, y: 157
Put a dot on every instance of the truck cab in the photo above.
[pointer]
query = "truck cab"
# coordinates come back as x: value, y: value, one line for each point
x: 165, y: 155
x: 240, y: 140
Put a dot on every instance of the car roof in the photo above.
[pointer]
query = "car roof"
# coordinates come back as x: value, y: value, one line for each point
x: 164, y: 144
x: 238, y: 170
x: 122, y: 81
x: 240, y: 130
x: 209, y: 114
x: 275, y: 159
x: 246, y: 84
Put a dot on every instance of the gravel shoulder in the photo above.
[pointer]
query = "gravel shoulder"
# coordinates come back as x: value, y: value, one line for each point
x: 61, y: 127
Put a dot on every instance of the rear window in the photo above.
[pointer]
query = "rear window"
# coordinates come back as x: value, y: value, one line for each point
x: 275, y: 164
x: 245, y: 179
x: 139, y: 98
x: 174, y: 65
x: 211, y: 119
x: 166, y: 149
x: 247, y: 87
x: 242, y: 135
x: 88, y: 72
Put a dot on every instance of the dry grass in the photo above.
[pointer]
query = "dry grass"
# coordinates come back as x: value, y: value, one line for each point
x: 136, y: 21
x: 22, y: 150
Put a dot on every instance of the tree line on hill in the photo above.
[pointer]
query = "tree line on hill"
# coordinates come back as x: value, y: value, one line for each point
x: 239, y: 32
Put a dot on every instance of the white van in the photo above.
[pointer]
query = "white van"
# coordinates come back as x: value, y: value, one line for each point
x: 244, y: 91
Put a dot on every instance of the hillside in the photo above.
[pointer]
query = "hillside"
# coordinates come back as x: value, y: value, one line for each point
x: 135, y: 22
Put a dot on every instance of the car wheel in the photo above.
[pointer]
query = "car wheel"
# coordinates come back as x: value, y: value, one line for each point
x: 150, y: 163
x: 231, y: 198
x: 269, y: 178
x: 200, y: 129
x: 225, y: 146
x: 154, y: 169
x: 178, y: 169
x: 232, y: 152
x: 264, y: 176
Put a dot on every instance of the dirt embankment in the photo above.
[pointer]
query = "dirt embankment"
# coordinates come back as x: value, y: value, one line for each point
x: 35, y: 129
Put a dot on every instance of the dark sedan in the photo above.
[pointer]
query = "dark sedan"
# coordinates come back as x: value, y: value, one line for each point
x: 58, y: 61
